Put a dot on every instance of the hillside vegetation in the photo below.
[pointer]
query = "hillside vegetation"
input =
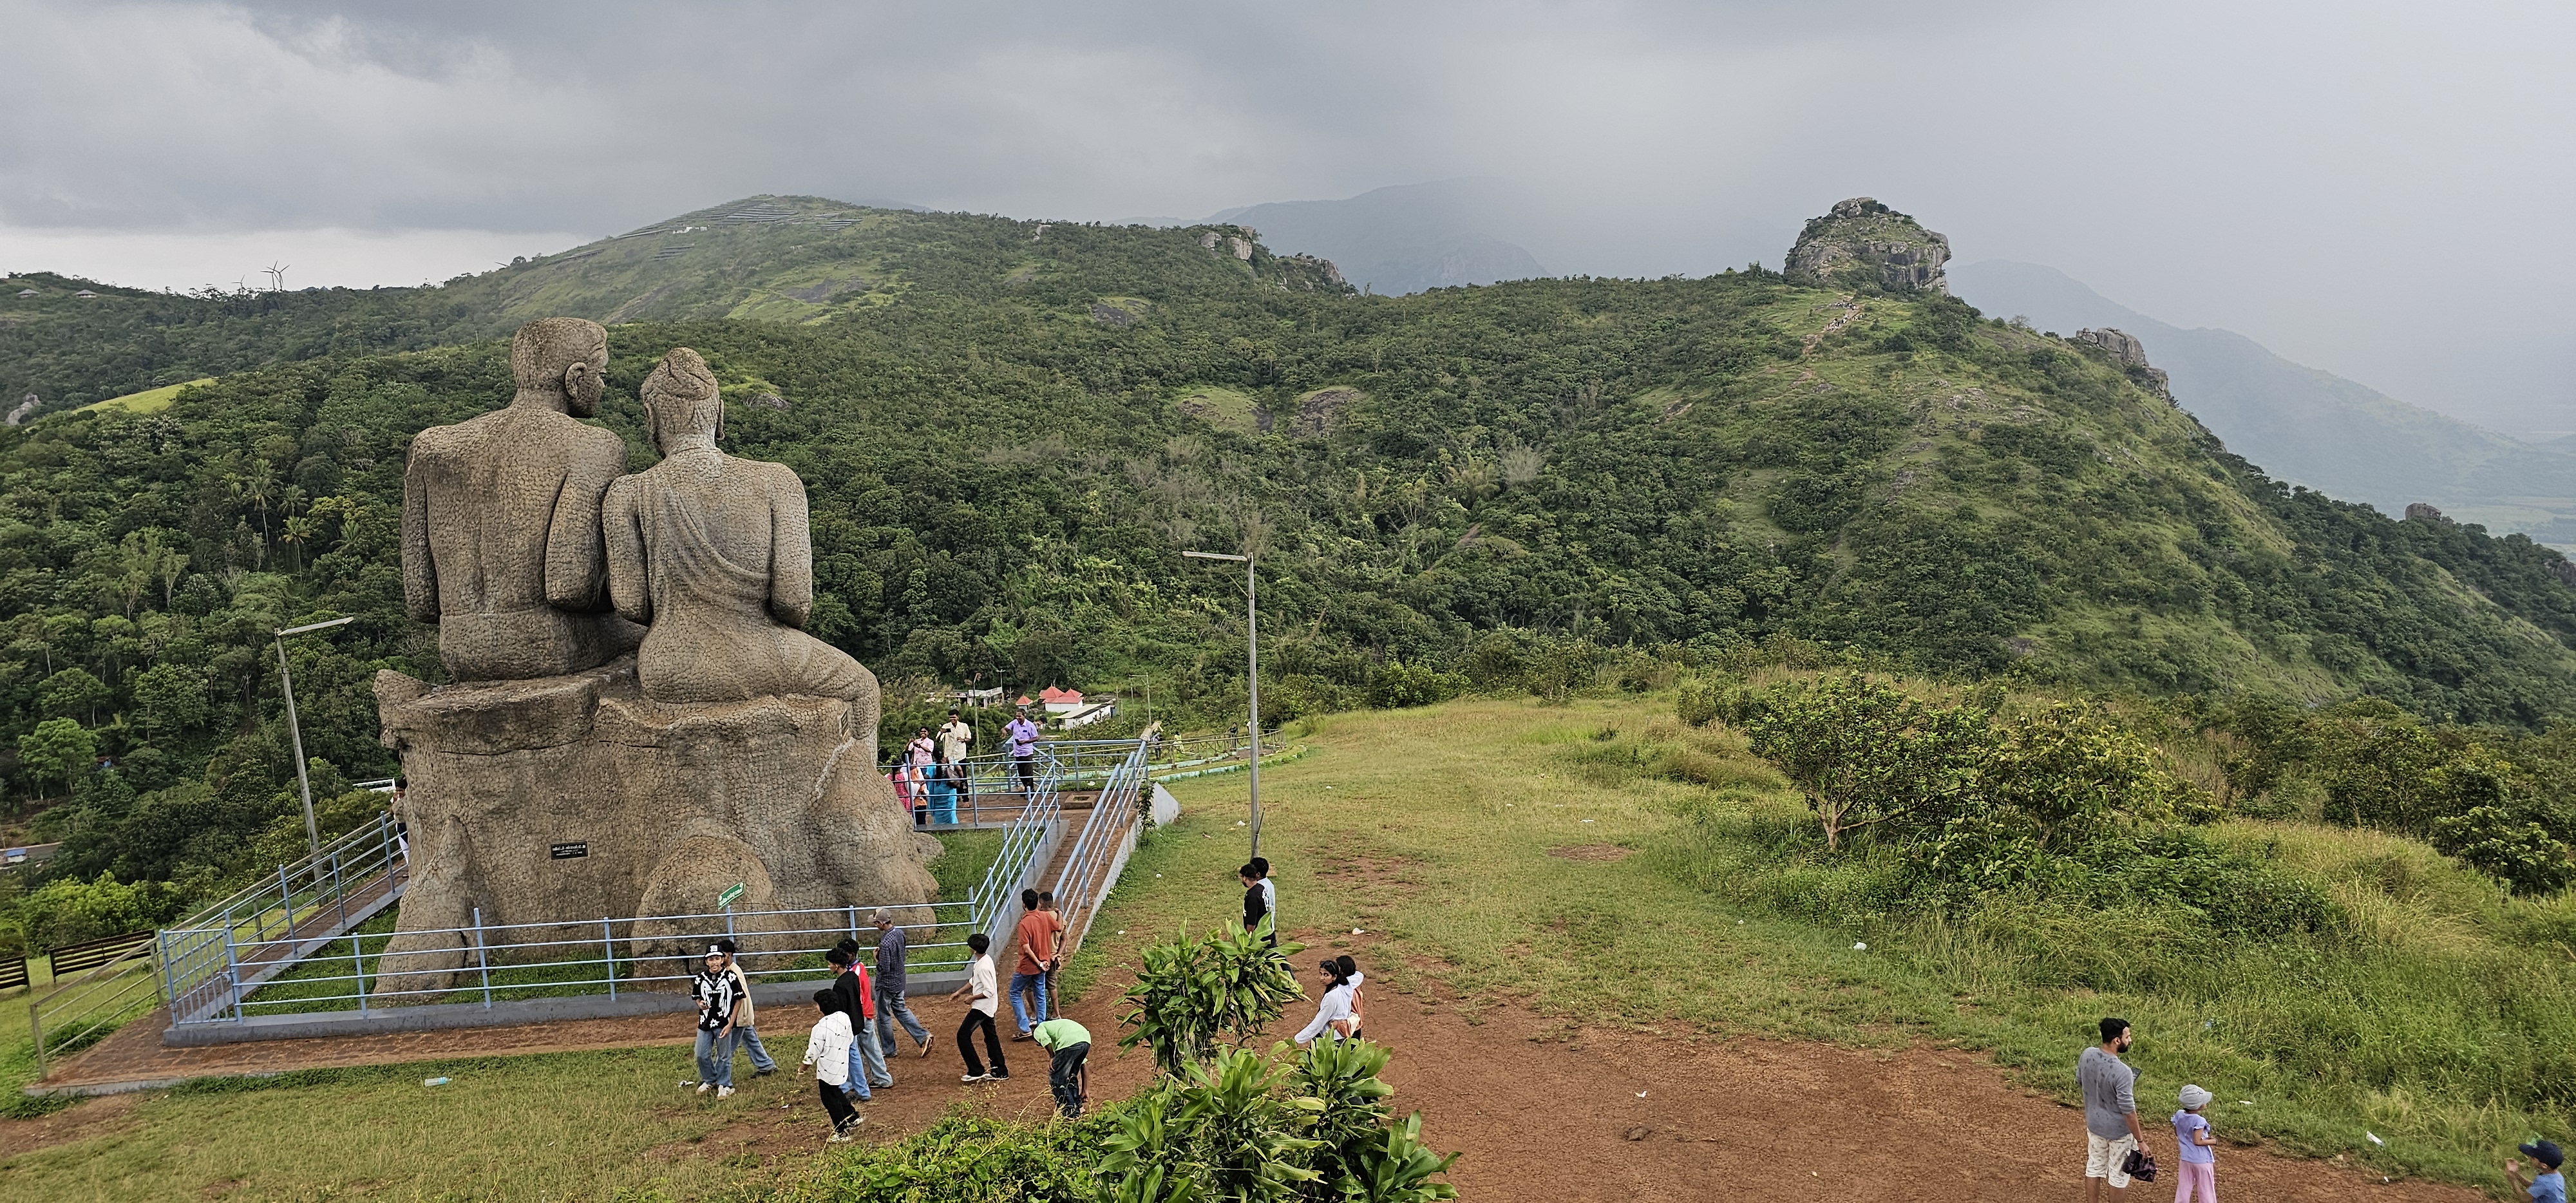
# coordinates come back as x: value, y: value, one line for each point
x: 1010, y: 435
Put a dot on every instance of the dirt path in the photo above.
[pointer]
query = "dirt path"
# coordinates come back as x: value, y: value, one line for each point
x: 1602, y: 1115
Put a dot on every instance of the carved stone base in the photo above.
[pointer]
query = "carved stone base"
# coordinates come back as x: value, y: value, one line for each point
x: 569, y: 800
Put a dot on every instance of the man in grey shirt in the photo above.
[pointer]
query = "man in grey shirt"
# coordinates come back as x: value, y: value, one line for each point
x: 2110, y: 1110
x: 892, y: 944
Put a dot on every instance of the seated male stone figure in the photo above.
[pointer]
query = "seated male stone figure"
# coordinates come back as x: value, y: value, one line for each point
x: 500, y: 527
x: 713, y: 554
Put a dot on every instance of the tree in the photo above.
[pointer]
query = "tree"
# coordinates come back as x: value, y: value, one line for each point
x: 170, y: 699
x: 57, y: 750
x: 1864, y: 753
x: 72, y: 691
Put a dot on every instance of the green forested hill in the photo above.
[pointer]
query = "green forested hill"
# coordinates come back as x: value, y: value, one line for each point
x: 1009, y: 438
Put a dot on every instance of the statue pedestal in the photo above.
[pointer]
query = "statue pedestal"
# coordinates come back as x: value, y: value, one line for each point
x: 564, y: 801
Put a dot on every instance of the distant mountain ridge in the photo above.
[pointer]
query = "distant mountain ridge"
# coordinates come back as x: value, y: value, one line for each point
x: 2307, y: 426
x: 1402, y: 239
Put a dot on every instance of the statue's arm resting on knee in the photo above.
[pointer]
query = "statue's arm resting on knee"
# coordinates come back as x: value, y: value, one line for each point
x: 419, y: 570
x: 576, y: 563
x: 622, y: 532
x: 791, y: 551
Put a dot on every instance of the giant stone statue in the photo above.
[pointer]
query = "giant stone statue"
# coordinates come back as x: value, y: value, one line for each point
x: 561, y: 780
x: 500, y: 526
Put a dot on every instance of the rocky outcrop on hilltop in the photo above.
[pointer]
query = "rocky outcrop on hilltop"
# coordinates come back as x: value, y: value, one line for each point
x: 1863, y: 242
x: 2131, y: 354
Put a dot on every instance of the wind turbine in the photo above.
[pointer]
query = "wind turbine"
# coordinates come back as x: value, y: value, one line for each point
x: 276, y: 275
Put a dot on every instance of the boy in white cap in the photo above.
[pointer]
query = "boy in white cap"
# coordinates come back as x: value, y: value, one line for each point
x: 2198, y: 1173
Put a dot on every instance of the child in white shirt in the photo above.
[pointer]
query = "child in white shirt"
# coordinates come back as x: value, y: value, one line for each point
x: 828, y: 1051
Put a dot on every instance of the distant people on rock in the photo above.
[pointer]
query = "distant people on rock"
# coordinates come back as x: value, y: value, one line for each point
x: 1256, y: 905
x: 983, y: 1001
x: 893, y: 949
x: 2196, y: 1165
x: 2111, y: 1129
x: 714, y: 992
x: 1036, y: 940
x: 1023, y: 737
x: 746, y: 1035
x: 827, y: 1050
x: 714, y: 554
x: 500, y: 524
x: 2547, y: 1186
x: 1333, y: 1010
x: 1068, y: 1045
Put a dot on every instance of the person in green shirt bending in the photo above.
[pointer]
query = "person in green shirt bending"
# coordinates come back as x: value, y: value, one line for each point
x: 1068, y: 1076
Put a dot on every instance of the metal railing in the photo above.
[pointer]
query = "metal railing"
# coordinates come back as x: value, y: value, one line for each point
x: 1101, y: 848
x: 211, y: 958
x: 347, y: 880
x: 514, y: 962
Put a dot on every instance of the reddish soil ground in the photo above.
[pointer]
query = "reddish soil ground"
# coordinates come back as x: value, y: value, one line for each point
x: 1537, y: 1112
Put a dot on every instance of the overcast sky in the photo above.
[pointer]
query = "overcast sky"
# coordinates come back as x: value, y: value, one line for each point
x: 2367, y: 187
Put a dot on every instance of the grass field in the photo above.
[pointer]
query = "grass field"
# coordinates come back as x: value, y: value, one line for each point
x: 149, y: 401
x: 1432, y: 831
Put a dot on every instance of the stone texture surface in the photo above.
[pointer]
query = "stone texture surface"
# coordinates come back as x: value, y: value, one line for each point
x: 1862, y: 241
x: 500, y: 526
x: 671, y: 803
x: 729, y: 747
x: 714, y: 554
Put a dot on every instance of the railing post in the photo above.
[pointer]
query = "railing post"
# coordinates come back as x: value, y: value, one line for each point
x: 608, y: 949
x: 358, y: 962
x: 481, y: 959
x: 232, y: 972
x: 286, y: 899
x: 854, y: 922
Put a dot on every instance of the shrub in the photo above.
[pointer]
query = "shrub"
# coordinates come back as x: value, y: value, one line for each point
x: 2506, y: 846
x: 1189, y: 994
x: 70, y: 910
x: 1866, y: 754
x: 1396, y: 684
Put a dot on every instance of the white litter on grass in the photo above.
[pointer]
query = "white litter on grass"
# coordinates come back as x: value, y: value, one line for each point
x: 1739, y: 923
x: 1357, y: 932
x: 1641, y: 1094
x: 1122, y: 931
x: 2374, y: 1138
x: 435, y: 1081
x: 1858, y: 946
x: 1587, y: 820
x: 2244, y: 1102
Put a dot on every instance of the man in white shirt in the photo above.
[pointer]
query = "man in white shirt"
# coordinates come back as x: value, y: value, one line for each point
x: 984, y: 998
x: 955, y: 736
x: 828, y: 1051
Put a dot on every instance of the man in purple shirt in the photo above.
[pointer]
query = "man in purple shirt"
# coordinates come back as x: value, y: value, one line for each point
x: 1023, y: 736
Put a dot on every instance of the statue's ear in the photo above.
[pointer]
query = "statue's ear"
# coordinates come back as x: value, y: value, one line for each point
x: 572, y: 378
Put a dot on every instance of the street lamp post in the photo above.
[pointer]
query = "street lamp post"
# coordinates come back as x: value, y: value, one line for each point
x: 295, y: 732
x: 1252, y: 676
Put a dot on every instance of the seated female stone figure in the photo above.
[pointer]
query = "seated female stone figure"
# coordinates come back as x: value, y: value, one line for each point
x: 713, y: 554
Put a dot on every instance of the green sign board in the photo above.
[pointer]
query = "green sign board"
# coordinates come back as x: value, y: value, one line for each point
x: 731, y: 893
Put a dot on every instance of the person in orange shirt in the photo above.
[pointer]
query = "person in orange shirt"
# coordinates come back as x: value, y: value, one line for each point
x: 1037, y: 955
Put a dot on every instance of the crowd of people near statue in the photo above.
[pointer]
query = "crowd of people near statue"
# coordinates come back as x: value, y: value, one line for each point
x: 865, y: 1013
x: 931, y: 775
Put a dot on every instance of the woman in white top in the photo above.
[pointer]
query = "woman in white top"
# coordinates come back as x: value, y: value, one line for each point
x: 1333, y: 1011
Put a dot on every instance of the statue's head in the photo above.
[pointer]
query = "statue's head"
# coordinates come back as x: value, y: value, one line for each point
x: 681, y: 399
x: 561, y: 357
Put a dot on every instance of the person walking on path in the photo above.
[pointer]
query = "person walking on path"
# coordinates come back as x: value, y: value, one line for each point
x: 1256, y: 905
x: 2111, y: 1130
x: 893, y: 947
x: 745, y: 1034
x: 2197, y: 1170
x: 2544, y: 1187
x: 1029, y: 976
x: 1023, y: 736
x: 826, y: 1049
x: 850, y: 986
x: 1069, y: 1073
x: 1333, y: 1010
x: 1269, y: 889
x: 982, y: 1001
x: 714, y: 992
x: 956, y: 736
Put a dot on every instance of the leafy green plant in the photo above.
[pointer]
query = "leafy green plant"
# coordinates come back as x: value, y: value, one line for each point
x: 1191, y: 994
x: 2508, y: 847
x: 1864, y: 753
